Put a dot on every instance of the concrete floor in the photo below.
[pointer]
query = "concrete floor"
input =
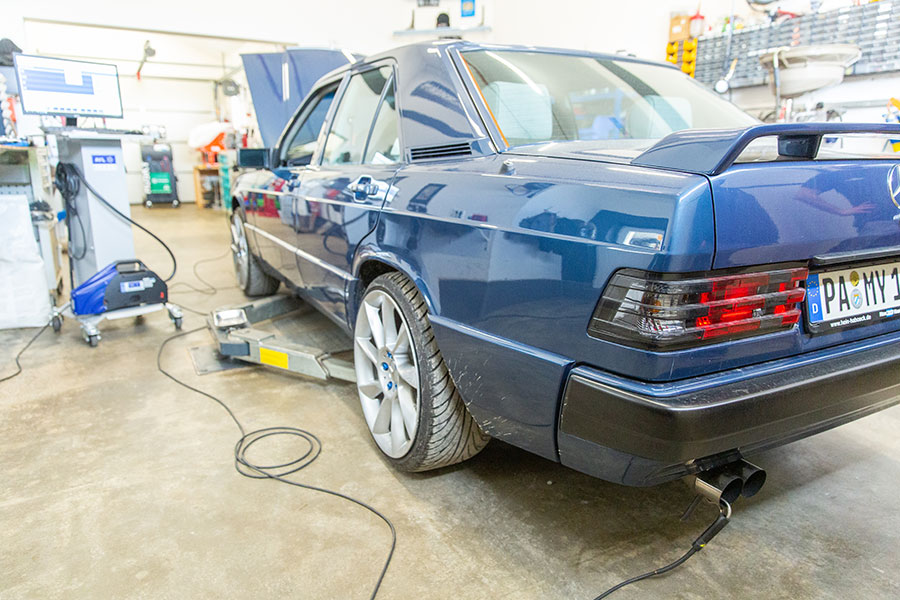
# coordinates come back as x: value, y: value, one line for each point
x: 117, y: 483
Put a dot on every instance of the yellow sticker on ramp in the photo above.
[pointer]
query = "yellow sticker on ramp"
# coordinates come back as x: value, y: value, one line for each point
x: 273, y: 358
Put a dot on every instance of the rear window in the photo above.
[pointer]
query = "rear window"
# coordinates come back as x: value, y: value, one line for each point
x: 539, y: 97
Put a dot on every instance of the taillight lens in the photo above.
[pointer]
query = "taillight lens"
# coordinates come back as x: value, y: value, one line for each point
x: 662, y: 312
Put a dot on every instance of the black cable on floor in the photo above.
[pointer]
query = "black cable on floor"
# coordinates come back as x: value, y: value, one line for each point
x: 722, y: 519
x: 278, y: 472
x: 659, y: 571
x: 22, y: 351
x: 209, y: 289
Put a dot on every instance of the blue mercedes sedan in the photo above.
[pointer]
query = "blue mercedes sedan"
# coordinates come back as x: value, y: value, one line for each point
x: 591, y: 257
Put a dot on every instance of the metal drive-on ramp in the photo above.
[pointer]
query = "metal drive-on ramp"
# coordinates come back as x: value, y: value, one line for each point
x: 285, y: 333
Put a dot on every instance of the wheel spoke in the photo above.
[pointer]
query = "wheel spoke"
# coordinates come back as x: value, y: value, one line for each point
x: 368, y: 349
x: 375, y: 325
x: 384, y: 419
x: 409, y: 373
x: 398, y: 436
x: 389, y: 324
x: 402, y: 343
x: 383, y: 338
x: 408, y: 410
x: 371, y: 389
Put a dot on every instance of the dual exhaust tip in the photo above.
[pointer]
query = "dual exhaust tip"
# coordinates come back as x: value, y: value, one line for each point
x: 729, y: 483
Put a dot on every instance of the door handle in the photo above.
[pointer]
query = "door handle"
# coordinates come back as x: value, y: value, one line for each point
x: 363, y: 187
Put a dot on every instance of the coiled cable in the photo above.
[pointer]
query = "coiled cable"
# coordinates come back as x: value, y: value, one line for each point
x: 68, y: 181
x: 279, y: 472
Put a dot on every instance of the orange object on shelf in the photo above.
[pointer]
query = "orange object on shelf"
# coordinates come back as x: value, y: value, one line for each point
x: 679, y: 28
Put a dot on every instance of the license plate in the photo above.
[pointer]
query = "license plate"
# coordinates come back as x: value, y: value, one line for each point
x: 855, y: 297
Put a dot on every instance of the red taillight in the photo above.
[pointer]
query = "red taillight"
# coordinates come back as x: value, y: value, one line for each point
x: 663, y: 312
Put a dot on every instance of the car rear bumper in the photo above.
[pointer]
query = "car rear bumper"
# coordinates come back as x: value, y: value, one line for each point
x: 640, y: 434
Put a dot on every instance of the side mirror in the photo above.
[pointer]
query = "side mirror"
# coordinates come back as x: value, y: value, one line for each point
x: 256, y: 158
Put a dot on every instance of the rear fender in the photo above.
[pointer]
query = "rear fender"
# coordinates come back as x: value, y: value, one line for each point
x: 368, y: 251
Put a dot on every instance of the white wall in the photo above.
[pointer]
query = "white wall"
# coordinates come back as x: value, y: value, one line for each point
x: 367, y: 26
x: 176, y: 105
x: 364, y: 26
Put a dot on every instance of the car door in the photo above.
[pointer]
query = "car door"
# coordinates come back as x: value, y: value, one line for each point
x: 276, y: 220
x: 339, y: 198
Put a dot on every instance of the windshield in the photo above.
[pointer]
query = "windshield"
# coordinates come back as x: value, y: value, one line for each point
x: 541, y: 97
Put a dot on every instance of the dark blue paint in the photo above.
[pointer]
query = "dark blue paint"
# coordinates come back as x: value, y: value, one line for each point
x: 263, y: 71
x: 764, y: 210
x: 511, y: 251
x: 490, y: 373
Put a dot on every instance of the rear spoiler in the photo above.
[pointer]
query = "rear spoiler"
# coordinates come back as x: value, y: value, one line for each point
x: 711, y: 151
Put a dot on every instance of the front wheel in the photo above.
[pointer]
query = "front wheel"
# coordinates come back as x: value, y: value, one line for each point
x: 411, y: 405
x: 250, y: 276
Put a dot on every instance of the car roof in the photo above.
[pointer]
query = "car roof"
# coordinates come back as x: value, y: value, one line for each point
x: 465, y: 45
x: 434, y: 105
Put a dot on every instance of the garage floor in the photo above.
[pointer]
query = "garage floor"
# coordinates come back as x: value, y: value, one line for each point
x: 117, y: 483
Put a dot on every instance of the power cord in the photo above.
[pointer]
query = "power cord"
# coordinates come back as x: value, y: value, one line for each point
x: 699, y: 544
x: 242, y: 463
x: 278, y: 472
x: 68, y: 187
x: 22, y: 351
x: 68, y: 181
x: 208, y: 289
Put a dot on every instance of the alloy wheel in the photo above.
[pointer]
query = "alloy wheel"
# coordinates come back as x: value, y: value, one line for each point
x: 387, y: 373
x: 240, y: 251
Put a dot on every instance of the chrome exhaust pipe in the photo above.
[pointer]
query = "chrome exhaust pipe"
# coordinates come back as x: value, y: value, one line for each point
x: 729, y: 482
x: 716, y: 485
x: 753, y: 477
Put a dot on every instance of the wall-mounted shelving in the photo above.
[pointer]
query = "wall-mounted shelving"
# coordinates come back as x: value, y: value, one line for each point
x: 874, y: 27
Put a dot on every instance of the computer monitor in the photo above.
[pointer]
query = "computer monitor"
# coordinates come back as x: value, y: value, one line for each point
x: 68, y: 88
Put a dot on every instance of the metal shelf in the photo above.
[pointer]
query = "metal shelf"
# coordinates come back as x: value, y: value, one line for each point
x: 875, y: 28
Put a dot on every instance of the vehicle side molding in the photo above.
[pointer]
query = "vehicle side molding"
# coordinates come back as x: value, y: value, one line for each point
x: 711, y: 151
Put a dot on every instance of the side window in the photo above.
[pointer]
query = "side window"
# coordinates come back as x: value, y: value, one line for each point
x: 350, y: 128
x: 303, y: 143
x: 384, y: 143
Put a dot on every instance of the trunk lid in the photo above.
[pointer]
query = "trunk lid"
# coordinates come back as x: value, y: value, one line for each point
x: 840, y: 217
x: 796, y: 211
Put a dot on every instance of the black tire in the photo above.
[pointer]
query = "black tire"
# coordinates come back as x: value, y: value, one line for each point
x: 251, y: 277
x: 178, y: 321
x: 446, y: 433
x: 93, y: 340
x: 56, y: 323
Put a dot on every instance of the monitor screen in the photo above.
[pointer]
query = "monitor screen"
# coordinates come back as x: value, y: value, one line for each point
x: 71, y: 88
